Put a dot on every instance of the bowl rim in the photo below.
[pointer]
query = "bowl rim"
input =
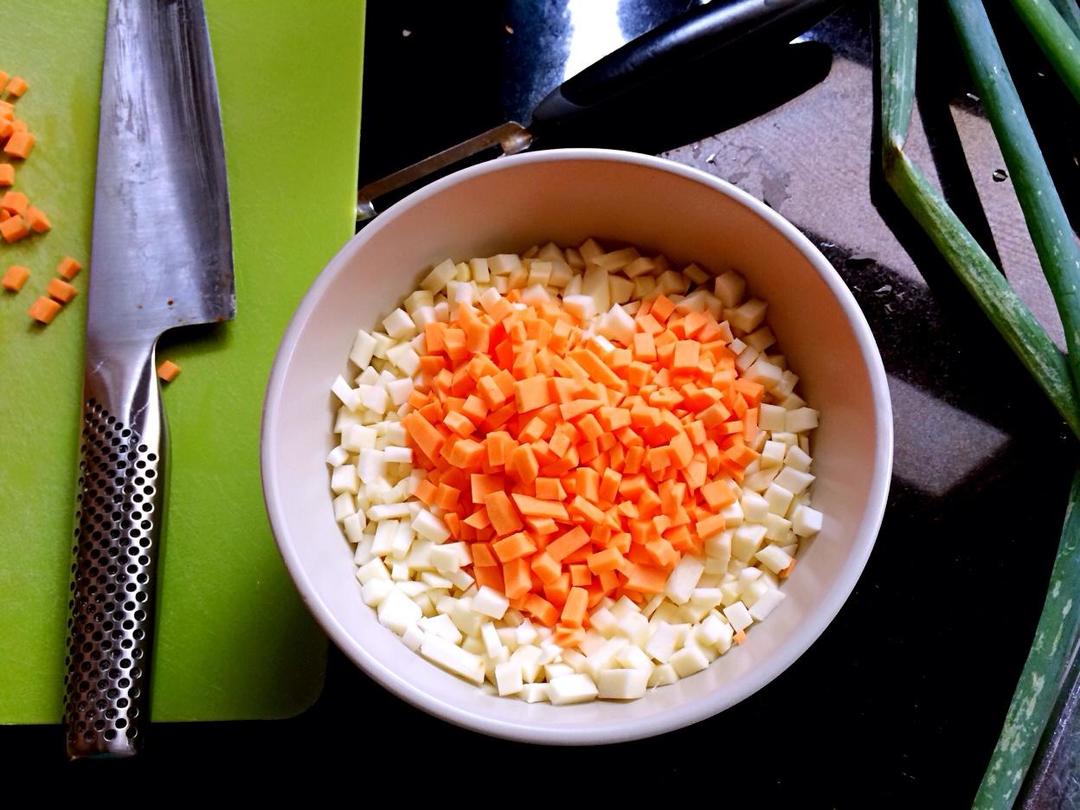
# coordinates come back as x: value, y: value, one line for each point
x: 692, y: 711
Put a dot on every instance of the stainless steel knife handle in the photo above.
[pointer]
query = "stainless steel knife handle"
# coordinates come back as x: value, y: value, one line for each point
x: 118, y: 521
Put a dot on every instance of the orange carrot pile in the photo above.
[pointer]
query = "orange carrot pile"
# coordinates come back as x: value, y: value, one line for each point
x: 18, y: 219
x: 576, y: 468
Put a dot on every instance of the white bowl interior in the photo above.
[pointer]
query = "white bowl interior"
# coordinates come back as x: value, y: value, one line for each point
x: 567, y: 196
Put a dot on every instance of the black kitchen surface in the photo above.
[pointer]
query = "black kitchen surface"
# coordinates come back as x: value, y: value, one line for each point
x: 901, y: 700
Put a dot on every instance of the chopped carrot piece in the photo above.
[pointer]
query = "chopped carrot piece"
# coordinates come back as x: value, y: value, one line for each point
x: 16, y: 86
x: 503, y: 514
x: 38, y: 221
x: 541, y: 610
x: 573, y: 613
x: 168, y: 371
x: 43, y: 310
x: 60, y: 290
x: 7, y: 174
x: 15, y: 202
x: 15, y: 277
x: 68, y: 268
x: 514, y: 546
x: 13, y: 229
x: 19, y: 145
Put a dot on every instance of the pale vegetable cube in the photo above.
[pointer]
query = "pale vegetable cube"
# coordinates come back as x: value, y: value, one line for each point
x: 778, y: 499
x: 375, y: 591
x: 800, y: 420
x: 797, y: 459
x: 663, y: 642
x: 712, y: 631
x: 419, y: 299
x: 437, y: 279
x: 633, y: 657
x: 454, y: 659
x: 387, y: 511
x: 594, y: 284
x: 615, y: 260
x: 754, y: 507
x: 382, y: 343
x: 345, y: 479
x: 398, y: 612
x: 372, y: 570
x: 338, y: 456
x: 432, y: 528
x: 689, y: 660
x: 603, y: 621
x: 622, y: 289
x: 399, y: 325
x: 764, y: 373
x: 344, y: 392
x: 644, y: 287
x: 363, y: 349
x: 397, y: 455
x: 718, y: 552
x: 529, y: 658
x: 774, y: 558
x: 571, y: 689
x: 508, y: 678
x: 776, y: 528
x: 622, y: 684
x: 371, y: 465
x: 358, y: 437
x: 663, y: 675
x: 730, y: 287
x: 582, y: 307
x: 684, y: 579
x: 766, y: 603
x: 772, y: 454
x: 354, y: 531
x: 504, y: 264
x: 404, y: 357
x: 792, y: 402
x: 373, y: 397
x: 806, y: 521
x: 590, y: 250
x: 738, y: 616
x: 747, y: 540
x: 733, y: 514
x: 534, y: 692
x: 385, y: 535
x: 443, y: 627
x: 748, y: 316
x: 794, y: 480
x: 639, y: 267
x: 490, y: 602
x: 539, y: 273
x: 762, y: 339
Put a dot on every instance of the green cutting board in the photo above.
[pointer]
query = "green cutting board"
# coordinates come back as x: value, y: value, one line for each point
x: 234, y: 640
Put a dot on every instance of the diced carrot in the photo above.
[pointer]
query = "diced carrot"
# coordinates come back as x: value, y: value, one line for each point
x: 503, y: 514
x: 580, y: 575
x: 16, y: 86
x: 43, y: 310
x: 489, y: 575
x: 15, y: 277
x: 13, y: 229
x: 606, y: 560
x: 518, y: 581
x: 707, y: 527
x: 513, y: 546
x: 60, y: 290
x: 523, y: 464
x: 68, y: 268
x: 646, y: 579
x: 532, y: 393
x: 7, y: 174
x: 541, y: 610
x: 459, y: 423
x: 568, y: 543
x: 168, y: 371
x: 425, y: 492
x: 537, y: 507
x: 14, y: 202
x: 573, y: 613
x: 467, y: 454
x: 422, y: 433
x: 19, y: 145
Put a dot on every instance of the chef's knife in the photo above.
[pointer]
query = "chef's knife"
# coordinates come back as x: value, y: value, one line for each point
x: 690, y: 36
x: 161, y: 258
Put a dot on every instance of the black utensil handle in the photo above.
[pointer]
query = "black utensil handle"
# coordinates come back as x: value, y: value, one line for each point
x: 677, y: 42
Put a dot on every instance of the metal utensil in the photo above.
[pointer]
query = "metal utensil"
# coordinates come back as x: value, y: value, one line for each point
x: 683, y: 39
x: 161, y: 258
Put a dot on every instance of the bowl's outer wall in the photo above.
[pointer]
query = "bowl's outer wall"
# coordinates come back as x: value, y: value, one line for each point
x: 566, y: 196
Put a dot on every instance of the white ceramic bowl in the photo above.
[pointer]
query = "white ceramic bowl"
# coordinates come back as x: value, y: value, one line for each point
x: 567, y: 195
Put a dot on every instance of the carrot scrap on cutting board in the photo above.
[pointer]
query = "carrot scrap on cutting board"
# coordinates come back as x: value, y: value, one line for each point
x: 7, y: 174
x: 60, y: 290
x: 43, y: 310
x: 168, y: 371
x: 14, y: 228
x: 15, y: 277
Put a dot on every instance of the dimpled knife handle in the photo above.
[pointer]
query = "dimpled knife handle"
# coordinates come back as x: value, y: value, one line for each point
x: 117, y: 539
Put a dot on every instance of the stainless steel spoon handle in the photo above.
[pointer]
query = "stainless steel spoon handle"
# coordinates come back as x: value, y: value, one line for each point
x: 117, y: 542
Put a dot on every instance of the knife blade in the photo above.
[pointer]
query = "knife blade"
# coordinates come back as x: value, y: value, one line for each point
x: 161, y: 258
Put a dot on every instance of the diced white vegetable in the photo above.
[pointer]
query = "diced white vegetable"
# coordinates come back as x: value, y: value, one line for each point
x: 436, y: 280
x: 754, y: 506
x: 663, y: 675
x: 534, y: 692
x: 399, y: 325
x: 748, y: 316
x: 398, y: 612
x: 443, y: 627
x: 344, y: 505
x: 508, y: 678
x: 454, y: 659
x: 689, y: 660
x: 345, y: 479
x: 529, y: 658
x: 490, y: 602
x: 405, y: 358
x: 738, y: 616
x: 778, y: 499
x: 662, y: 644
x: 622, y: 684
x: 806, y: 521
x: 504, y: 263
x: 774, y: 558
x: 800, y: 420
x: 432, y: 528
x: 571, y: 689
x: 729, y: 287
x: 747, y: 540
x: 684, y: 579
x: 375, y: 591
x: 363, y: 349
x: 766, y: 603
x: 772, y: 455
x: 794, y: 480
x: 582, y: 307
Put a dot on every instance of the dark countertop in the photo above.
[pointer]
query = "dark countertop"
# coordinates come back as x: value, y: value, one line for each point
x: 902, y: 698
